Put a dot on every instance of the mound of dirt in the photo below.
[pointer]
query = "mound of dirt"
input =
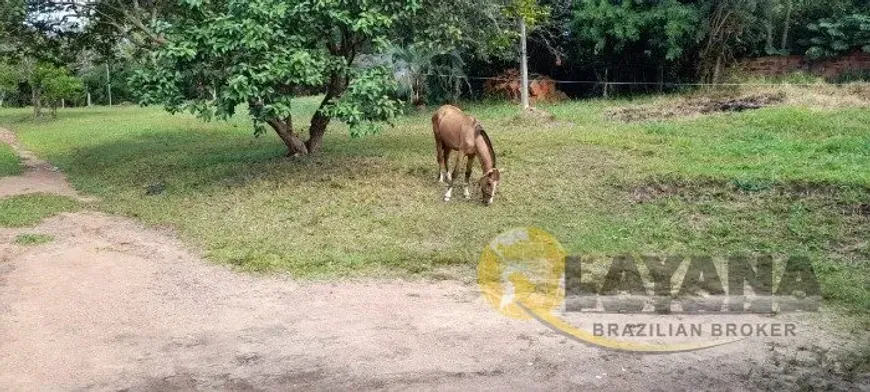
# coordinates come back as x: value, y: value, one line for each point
x: 507, y: 85
x: 694, y: 106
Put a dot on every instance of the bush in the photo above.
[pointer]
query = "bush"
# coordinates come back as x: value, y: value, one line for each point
x: 837, y: 37
x: 852, y: 76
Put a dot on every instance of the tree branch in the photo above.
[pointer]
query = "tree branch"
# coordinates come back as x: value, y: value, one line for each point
x: 88, y: 9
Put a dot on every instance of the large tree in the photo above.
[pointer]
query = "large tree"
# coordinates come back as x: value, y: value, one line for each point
x: 9, y: 78
x: 214, y: 56
x: 835, y: 37
x: 666, y: 28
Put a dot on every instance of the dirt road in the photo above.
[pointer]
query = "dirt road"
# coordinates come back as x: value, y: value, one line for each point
x: 112, y: 305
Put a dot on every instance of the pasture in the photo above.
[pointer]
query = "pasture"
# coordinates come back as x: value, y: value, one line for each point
x: 9, y: 164
x: 790, y: 180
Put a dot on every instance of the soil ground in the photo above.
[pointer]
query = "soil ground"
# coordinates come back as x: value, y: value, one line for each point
x: 113, y: 305
x: 39, y: 176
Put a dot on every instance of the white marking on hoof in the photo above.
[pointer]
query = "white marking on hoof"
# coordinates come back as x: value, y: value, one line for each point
x: 466, y: 193
x: 448, y: 195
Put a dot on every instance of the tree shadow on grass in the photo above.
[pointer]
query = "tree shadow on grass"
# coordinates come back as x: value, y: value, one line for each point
x: 185, y: 161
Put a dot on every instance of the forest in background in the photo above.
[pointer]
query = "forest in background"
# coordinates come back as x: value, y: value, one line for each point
x: 57, y: 52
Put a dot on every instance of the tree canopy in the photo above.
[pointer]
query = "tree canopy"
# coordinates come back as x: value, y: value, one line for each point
x: 839, y: 36
x: 219, y: 55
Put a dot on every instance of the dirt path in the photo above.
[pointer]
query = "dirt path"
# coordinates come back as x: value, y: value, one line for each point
x: 113, y: 305
x: 39, y: 176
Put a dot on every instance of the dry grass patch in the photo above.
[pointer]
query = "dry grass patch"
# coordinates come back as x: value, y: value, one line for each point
x: 742, y: 98
x: 693, y: 106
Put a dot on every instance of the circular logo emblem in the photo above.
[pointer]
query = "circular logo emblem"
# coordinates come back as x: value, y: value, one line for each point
x: 521, y: 273
x: 523, y: 267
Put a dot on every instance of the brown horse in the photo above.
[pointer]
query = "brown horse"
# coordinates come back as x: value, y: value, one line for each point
x: 456, y: 131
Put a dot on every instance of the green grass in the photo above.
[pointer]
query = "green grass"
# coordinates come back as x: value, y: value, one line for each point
x: 782, y: 180
x: 33, y: 239
x: 10, y: 165
x: 29, y: 210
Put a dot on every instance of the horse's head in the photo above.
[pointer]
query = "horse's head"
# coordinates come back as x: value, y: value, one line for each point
x: 489, y: 184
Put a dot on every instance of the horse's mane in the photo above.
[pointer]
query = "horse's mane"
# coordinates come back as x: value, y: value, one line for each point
x: 488, y: 143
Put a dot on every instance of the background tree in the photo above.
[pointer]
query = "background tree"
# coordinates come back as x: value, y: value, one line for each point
x: 57, y: 84
x: 605, y: 40
x: 49, y: 84
x: 412, y: 66
x: 805, y: 13
x: 435, y: 47
x: 657, y: 34
x: 431, y: 50
x: 218, y: 55
x: 474, y: 28
x: 103, y: 22
x: 839, y: 36
x: 727, y: 23
x: 9, y: 78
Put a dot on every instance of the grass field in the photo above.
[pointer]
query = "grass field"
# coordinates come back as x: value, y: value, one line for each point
x: 33, y: 239
x: 785, y: 180
x: 9, y: 163
x: 29, y: 210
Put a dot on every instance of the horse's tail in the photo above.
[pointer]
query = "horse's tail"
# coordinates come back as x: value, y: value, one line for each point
x: 479, y: 128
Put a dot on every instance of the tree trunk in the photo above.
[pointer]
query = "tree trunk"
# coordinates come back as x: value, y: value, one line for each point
x: 316, y: 131
x: 37, y: 102
x: 769, y: 34
x: 337, y: 86
x: 284, y: 129
x: 784, y: 44
x: 718, y: 68
x: 109, y: 84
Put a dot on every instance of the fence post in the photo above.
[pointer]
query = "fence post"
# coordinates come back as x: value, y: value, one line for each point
x: 524, y: 65
x: 109, y: 83
x: 661, y: 78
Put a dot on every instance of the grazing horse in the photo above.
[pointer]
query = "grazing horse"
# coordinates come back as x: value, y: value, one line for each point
x: 457, y: 131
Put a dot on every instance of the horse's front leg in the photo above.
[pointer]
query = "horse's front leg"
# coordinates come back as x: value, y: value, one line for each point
x: 451, y: 179
x: 468, y: 176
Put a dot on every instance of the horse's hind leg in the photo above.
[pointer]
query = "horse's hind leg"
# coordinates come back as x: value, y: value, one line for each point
x: 445, y: 171
x: 468, y: 168
x: 442, y: 155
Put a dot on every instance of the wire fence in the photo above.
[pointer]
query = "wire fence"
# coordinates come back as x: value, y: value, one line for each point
x: 510, y: 84
x: 623, y: 83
